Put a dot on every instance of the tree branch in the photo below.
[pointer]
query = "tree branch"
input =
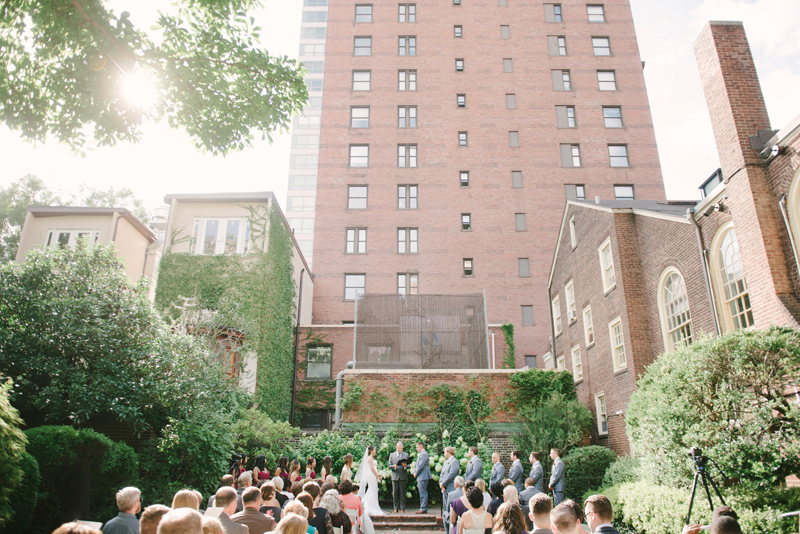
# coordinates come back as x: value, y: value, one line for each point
x: 102, y: 30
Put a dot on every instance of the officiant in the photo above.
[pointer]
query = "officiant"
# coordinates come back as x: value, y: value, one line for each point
x: 398, y: 462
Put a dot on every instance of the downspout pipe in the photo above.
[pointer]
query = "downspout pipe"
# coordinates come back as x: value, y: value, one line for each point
x: 297, y: 346
x: 706, y: 273
x: 337, y: 418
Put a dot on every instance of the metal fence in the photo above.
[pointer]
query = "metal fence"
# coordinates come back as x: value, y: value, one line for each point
x: 421, y: 332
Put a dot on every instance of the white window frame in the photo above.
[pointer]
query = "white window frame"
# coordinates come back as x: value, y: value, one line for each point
x: 573, y: 239
x: 577, y: 363
x: 556, y: 311
x: 617, y: 338
x: 667, y: 310
x: 588, y: 326
x: 572, y: 312
x: 724, y: 304
x: 602, y: 412
x: 607, y: 271
x: 74, y: 235
x: 561, y: 363
x: 242, y: 238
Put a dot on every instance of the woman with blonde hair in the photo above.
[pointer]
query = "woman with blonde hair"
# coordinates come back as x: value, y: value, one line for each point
x: 292, y: 524
x: 185, y: 499
x: 75, y: 528
x: 296, y: 507
x: 211, y: 525
x: 481, y: 485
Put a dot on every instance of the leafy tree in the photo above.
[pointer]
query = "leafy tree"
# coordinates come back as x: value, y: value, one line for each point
x: 64, y: 63
x: 727, y: 395
x: 14, y: 202
x: 111, y: 198
x: 12, y: 447
x: 585, y: 468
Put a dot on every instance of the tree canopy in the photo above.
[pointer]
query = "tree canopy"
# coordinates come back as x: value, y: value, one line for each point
x: 65, y: 65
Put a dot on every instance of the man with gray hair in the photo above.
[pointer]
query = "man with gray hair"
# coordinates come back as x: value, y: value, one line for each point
x: 245, y: 481
x: 129, y: 504
x: 398, y: 463
x: 181, y: 521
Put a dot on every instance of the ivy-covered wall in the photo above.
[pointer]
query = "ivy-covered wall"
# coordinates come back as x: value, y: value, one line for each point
x: 252, y: 295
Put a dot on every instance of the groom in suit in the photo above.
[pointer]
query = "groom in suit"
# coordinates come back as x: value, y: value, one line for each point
x: 399, y: 477
x: 423, y: 474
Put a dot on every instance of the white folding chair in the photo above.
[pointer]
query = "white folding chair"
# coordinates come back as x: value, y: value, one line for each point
x: 474, y: 531
x: 338, y: 530
x: 353, y: 515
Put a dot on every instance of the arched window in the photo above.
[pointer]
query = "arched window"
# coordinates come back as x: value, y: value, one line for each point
x: 676, y: 321
x: 793, y: 209
x: 732, y: 292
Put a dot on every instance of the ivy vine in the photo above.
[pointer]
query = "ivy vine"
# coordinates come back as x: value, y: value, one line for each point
x: 312, y: 394
x: 509, y: 354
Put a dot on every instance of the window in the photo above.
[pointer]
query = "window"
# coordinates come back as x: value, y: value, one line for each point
x: 359, y: 155
x: 303, y: 161
x: 456, y: 2
x: 561, y: 80
x: 363, y: 13
x: 565, y: 117
x: 618, y: 156
x: 617, y: 344
x: 313, y: 84
x: 302, y: 122
x: 315, y: 16
x: 575, y: 191
x: 463, y: 178
x: 458, y: 32
x: 461, y: 101
x: 407, y: 239
x: 572, y: 313
x: 407, y: 117
x: 406, y: 155
x: 356, y: 241
x: 606, y: 80
x: 623, y: 192
x: 466, y: 263
x: 361, y: 79
x: 561, y: 363
x: 406, y: 80
x: 407, y: 197
x: 459, y: 65
x: 315, y: 102
x: 513, y: 139
x: 511, y: 101
x: 362, y: 46
x: 557, y: 45
x: 552, y: 13
x: 302, y: 225
x: 359, y: 117
x: 596, y: 13
x: 737, y: 310
x: 219, y: 236
x: 462, y: 138
x: 305, y: 141
x: 407, y: 284
x: 316, y: 420
x: 601, y: 46
x: 519, y: 222
x: 312, y: 33
x: 527, y: 315
x: 315, y: 3
x: 319, y: 361
x: 602, y: 418
x: 301, y: 203
x: 676, y: 321
x: 607, y: 265
x: 302, y: 182
x: 69, y: 238
x: 577, y: 366
x: 516, y: 179
x: 612, y: 116
x: 466, y: 221
x: 530, y: 362
x: 508, y: 65
x: 524, y: 267
x: 354, y: 285
x: 557, y: 314
x: 572, y: 238
x: 588, y: 326
x: 407, y: 12
x: 505, y: 32
x: 570, y: 155
x: 407, y: 46
x: 312, y: 49
x: 356, y: 197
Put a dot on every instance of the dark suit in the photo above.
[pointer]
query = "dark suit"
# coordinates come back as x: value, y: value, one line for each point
x: 606, y: 529
x: 399, y: 479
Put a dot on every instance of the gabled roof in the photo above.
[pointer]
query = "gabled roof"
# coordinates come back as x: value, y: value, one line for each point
x: 84, y: 211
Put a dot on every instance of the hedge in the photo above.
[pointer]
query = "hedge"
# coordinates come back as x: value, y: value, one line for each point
x: 585, y: 467
x: 22, y: 500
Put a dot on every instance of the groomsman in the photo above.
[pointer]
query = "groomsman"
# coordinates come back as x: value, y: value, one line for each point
x: 515, y: 473
x: 447, y: 478
x: 423, y: 474
x: 498, y: 471
x: 475, y: 465
x: 537, y: 472
x: 557, y: 484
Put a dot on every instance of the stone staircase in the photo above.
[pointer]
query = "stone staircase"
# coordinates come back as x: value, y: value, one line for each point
x: 409, y: 521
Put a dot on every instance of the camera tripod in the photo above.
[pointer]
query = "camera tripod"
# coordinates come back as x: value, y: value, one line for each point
x: 701, y: 473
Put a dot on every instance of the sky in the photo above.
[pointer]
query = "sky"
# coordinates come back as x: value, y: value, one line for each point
x: 166, y: 161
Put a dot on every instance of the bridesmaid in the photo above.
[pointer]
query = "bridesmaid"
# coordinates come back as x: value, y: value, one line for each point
x: 327, y: 468
x: 310, y: 465
x: 347, y: 473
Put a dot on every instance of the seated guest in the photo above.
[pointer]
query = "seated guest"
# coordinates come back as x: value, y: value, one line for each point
x: 528, y: 492
x: 308, y: 501
x: 458, y: 505
x: 321, y: 519
x: 326, y: 487
x: 339, y: 519
x: 599, y: 514
x: 725, y: 524
x: 509, y: 519
x: 226, y: 481
x: 129, y: 503
x: 281, y: 495
x: 245, y: 481
x: 75, y: 528
x: 269, y: 502
x: 181, y: 521
x: 540, y: 507
x: 724, y: 510
x: 564, y: 520
x: 199, y: 501
x: 578, y: 512
x: 481, y: 485
x: 350, y: 499
x: 185, y: 499
x: 510, y: 494
x: 297, y: 488
x: 296, y: 507
x: 330, y: 479
x: 497, y: 493
x: 211, y: 525
x: 257, y: 522
x: 151, y: 517
x: 226, y: 499
x: 292, y: 524
x: 476, y: 517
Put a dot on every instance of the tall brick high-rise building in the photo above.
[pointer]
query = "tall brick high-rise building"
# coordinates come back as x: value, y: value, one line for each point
x: 450, y: 134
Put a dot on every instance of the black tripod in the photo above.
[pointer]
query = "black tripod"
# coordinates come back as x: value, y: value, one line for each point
x: 701, y: 472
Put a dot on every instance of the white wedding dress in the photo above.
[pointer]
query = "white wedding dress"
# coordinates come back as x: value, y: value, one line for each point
x: 368, y: 492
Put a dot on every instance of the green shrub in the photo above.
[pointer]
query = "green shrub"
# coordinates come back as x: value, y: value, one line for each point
x: 256, y: 433
x: 584, y: 469
x: 12, y: 447
x: 23, y: 500
x: 625, y: 469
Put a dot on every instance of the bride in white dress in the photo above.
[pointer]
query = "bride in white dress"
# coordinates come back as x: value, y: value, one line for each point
x: 367, y: 478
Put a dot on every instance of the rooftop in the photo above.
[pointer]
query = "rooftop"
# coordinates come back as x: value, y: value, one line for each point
x: 83, y: 211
